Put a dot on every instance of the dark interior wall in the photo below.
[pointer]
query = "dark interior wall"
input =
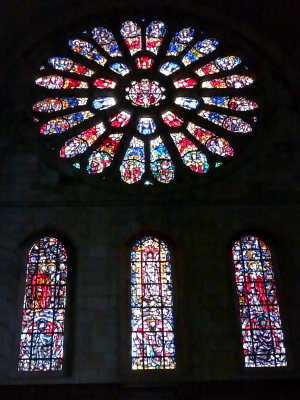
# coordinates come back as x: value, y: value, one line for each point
x: 257, y: 193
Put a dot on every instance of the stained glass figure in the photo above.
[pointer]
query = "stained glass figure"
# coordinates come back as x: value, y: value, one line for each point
x: 154, y: 36
x: 146, y: 126
x: 160, y: 82
x: 169, y: 68
x: 161, y: 165
x: 119, y: 120
x: 102, y: 157
x: 172, y: 119
x: 87, y: 50
x: 54, y: 104
x: 145, y: 93
x: 104, y: 83
x: 80, y: 143
x: 232, y: 81
x: 199, y: 50
x: 133, y: 165
x: 102, y: 103
x: 211, y: 141
x: 107, y: 41
x: 66, y: 64
x: 185, y: 83
x: 191, y: 156
x: 262, y: 334
x: 42, y: 334
x: 187, y: 102
x: 59, y: 82
x: 233, y: 103
x: 180, y: 40
x: 144, y: 62
x: 120, y: 68
x: 152, y: 322
x: 62, y: 124
x: 131, y: 33
x: 232, y: 124
x: 220, y: 64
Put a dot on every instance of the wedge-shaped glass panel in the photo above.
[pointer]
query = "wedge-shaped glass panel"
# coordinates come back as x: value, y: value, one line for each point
x: 262, y: 334
x: 102, y: 103
x: 146, y: 126
x: 59, y: 82
x: 185, y: 83
x: 66, y: 64
x: 233, y: 103
x: 161, y: 164
x: 42, y: 334
x: 133, y: 165
x: 220, y: 64
x: 152, y: 324
x: 131, y: 33
x: 154, y: 36
x: 120, y: 68
x: 232, y: 124
x: 103, y: 157
x: 180, y: 40
x: 172, y: 119
x: 119, y: 120
x: 199, y: 50
x: 191, y: 156
x: 107, y: 41
x: 87, y: 50
x: 62, y: 124
x: 232, y: 81
x: 211, y: 141
x: 54, y: 104
x: 80, y: 143
x: 187, y: 102
x: 104, y: 83
x: 169, y: 68
x: 144, y: 62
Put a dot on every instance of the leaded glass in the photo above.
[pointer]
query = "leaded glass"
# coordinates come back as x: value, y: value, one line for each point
x: 133, y: 165
x: 220, y: 64
x: 52, y: 104
x: 146, y: 79
x: 191, y: 157
x: 42, y: 334
x: 152, y: 322
x: 161, y: 165
x: 66, y: 64
x: 101, y: 103
x: 61, y: 124
x: 262, y: 334
x: 131, y: 33
x: 154, y: 36
x: 232, y: 124
x: 79, y: 144
x: 102, y: 157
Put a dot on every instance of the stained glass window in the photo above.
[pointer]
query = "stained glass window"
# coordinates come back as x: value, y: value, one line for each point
x: 42, y: 335
x: 152, y: 322
x: 151, y: 86
x: 262, y: 334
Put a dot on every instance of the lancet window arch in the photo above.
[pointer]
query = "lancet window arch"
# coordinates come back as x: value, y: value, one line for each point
x: 262, y: 333
x: 43, y: 322
x: 152, y: 324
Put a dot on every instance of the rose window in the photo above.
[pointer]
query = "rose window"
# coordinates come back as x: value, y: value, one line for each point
x: 145, y: 102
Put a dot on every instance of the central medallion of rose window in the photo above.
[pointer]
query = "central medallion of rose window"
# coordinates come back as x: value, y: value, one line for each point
x: 145, y: 93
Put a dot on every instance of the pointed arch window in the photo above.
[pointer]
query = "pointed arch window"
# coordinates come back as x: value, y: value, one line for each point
x: 151, y: 306
x: 262, y: 334
x: 41, y: 344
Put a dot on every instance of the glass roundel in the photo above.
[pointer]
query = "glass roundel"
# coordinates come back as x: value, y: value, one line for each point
x: 145, y: 101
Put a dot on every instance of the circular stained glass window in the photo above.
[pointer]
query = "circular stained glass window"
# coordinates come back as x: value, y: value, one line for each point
x: 145, y: 102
